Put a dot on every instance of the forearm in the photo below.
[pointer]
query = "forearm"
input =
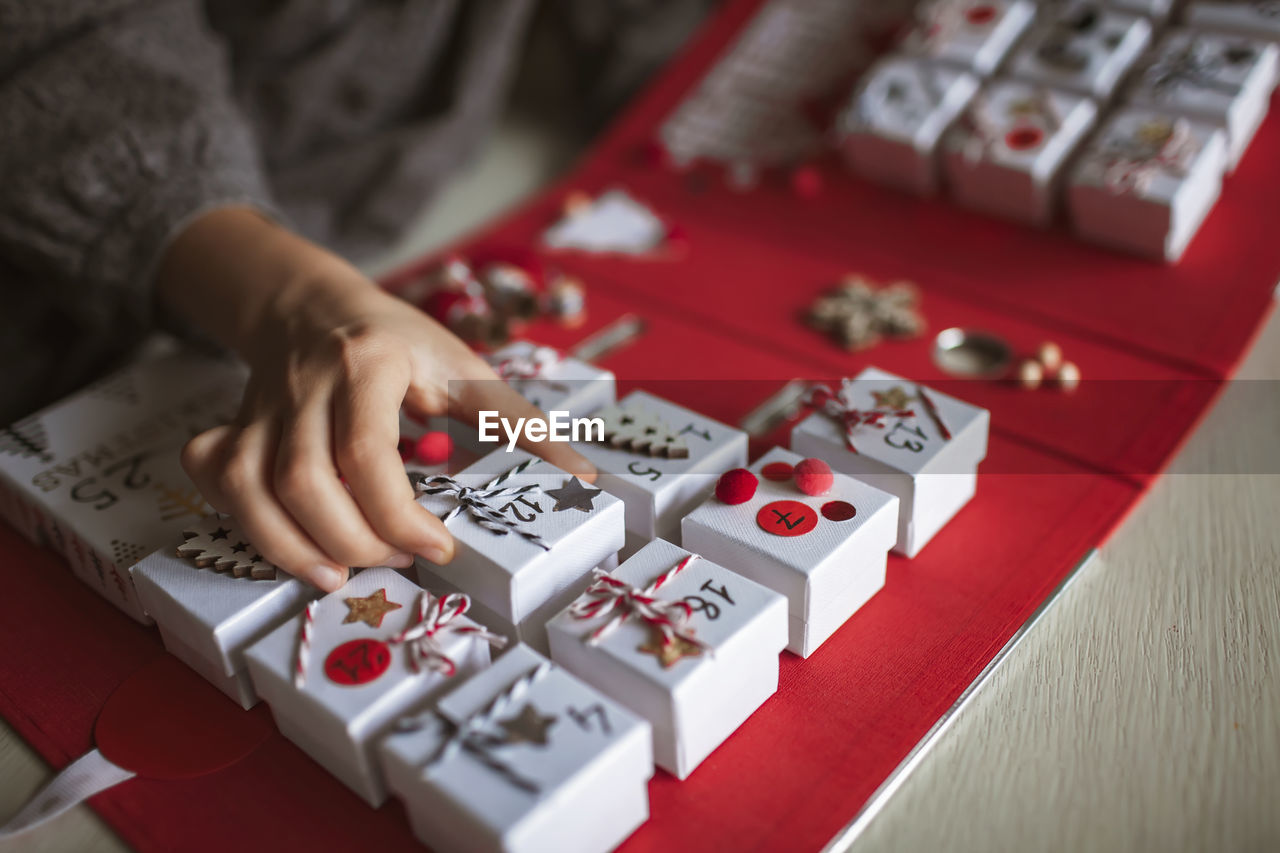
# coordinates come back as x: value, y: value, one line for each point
x: 241, y: 279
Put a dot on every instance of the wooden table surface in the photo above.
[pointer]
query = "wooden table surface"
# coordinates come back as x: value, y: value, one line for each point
x: 1141, y: 712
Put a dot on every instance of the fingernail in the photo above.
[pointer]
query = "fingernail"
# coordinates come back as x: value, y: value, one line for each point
x: 399, y: 561
x: 437, y: 556
x: 328, y: 578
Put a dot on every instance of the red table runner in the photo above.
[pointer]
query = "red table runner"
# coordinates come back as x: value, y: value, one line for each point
x: 721, y: 333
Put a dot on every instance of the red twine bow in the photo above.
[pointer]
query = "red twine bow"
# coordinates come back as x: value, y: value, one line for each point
x: 1134, y: 169
x: 839, y: 407
x: 426, y: 638
x: 608, y: 595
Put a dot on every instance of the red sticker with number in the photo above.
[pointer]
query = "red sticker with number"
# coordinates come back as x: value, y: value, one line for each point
x: 787, y: 518
x: 357, y: 662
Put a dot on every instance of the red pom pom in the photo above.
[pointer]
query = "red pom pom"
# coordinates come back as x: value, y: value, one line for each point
x: 433, y: 448
x: 814, y: 477
x: 736, y: 486
x: 406, y: 447
x: 806, y: 182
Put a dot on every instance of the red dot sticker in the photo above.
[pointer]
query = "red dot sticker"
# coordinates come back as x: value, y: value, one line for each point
x: 777, y: 471
x: 979, y: 15
x: 786, y: 518
x: 1024, y: 138
x: 838, y: 511
x: 357, y: 662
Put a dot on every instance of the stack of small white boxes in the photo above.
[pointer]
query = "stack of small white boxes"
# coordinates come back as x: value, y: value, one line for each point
x: 1127, y: 113
x: 534, y: 680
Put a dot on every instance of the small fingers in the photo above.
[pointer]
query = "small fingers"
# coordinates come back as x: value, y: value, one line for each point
x: 242, y: 482
x: 366, y: 432
x: 307, y: 485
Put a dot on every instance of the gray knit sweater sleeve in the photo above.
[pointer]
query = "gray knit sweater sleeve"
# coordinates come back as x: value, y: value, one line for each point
x: 117, y: 127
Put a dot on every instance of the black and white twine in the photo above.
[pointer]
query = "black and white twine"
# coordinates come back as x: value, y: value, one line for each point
x: 478, y: 502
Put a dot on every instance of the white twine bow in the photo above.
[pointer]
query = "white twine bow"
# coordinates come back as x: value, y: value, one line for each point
x: 527, y: 365
x: 940, y: 20
x: 477, y: 502
x: 619, y: 601
x: 839, y: 406
x: 426, y: 639
x: 469, y: 736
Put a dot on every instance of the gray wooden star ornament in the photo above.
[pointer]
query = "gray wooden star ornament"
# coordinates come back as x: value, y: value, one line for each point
x: 528, y: 726
x: 572, y: 495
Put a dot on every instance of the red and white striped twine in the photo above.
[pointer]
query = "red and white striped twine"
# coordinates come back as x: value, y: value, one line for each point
x: 425, y: 640
x: 608, y: 595
x: 839, y: 406
x: 303, y: 656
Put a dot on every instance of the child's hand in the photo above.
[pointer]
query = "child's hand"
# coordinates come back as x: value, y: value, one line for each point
x: 332, y: 360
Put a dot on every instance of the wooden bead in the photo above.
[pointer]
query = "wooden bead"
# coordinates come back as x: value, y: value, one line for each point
x: 1050, y: 356
x: 1068, y: 376
x: 576, y: 202
x: 1030, y: 374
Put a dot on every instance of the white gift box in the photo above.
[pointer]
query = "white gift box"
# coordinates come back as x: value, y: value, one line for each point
x: 905, y: 452
x: 693, y: 696
x: 659, y: 490
x: 97, y: 476
x: 826, y: 553
x: 1254, y: 18
x: 973, y: 36
x: 554, y: 382
x: 207, y: 618
x: 522, y: 757
x: 890, y: 130
x: 1007, y: 153
x: 359, y: 672
x: 1083, y: 47
x: 1145, y: 182
x: 1219, y: 78
x: 511, y: 574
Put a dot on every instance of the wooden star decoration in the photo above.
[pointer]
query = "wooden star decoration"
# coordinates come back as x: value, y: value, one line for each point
x: 670, y: 652
x: 216, y: 543
x: 528, y: 726
x: 369, y: 609
x: 572, y: 495
x: 858, y: 315
x: 895, y: 398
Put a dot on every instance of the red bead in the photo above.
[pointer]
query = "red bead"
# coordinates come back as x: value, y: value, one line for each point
x: 777, y: 471
x: 406, y: 447
x: 433, y: 448
x: 814, y: 477
x: 736, y: 486
x: 654, y: 155
x: 806, y: 182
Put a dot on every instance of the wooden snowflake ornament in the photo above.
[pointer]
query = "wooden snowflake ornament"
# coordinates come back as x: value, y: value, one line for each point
x: 858, y: 315
x: 641, y: 432
x: 217, y: 543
